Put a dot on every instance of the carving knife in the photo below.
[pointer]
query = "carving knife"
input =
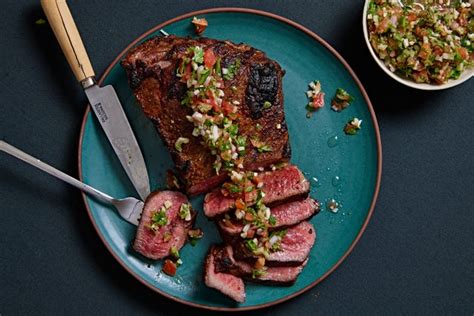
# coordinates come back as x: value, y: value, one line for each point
x: 103, y: 100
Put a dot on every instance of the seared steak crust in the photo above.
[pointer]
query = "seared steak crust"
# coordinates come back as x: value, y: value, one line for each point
x: 151, y: 70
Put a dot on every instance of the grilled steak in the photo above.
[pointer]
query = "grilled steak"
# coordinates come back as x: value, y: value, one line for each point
x: 226, y: 283
x: 294, y: 247
x: 279, y: 186
x: 156, y: 243
x: 226, y: 263
x: 287, y: 214
x: 151, y: 69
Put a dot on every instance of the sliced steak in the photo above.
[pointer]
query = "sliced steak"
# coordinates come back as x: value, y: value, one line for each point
x: 151, y: 70
x: 287, y: 183
x: 226, y: 283
x: 225, y: 262
x: 294, y: 247
x: 156, y: 244
x: 287, y: 214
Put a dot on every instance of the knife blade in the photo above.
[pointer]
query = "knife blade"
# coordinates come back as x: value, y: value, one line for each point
x: 112, y: 118
x: 103, y: 100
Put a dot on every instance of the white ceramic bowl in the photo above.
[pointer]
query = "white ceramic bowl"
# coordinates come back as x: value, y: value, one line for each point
x: 466, y: 75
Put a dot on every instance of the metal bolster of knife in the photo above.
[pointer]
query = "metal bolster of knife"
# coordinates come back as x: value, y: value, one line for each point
x: 88, y: 82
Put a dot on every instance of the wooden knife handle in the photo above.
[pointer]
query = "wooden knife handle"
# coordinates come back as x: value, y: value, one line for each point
x: 66, y: 32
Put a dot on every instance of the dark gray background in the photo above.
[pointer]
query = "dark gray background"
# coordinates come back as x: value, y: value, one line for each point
x: 416, y: 256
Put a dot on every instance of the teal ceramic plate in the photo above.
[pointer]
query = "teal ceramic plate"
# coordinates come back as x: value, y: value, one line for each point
x: 340, y: 167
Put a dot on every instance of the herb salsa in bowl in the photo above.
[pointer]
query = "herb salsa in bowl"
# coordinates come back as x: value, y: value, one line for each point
x: 426, y: 45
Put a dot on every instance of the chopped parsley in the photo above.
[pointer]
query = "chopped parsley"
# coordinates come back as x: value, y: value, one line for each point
x: 256, y: 273
x: 272, y: 220
x: 277, y: 236
x: 264, y: 149
x: 251, y: 244
x: 260, y: 146
x: 341, y: 100
x: 158, y: 219
x: 198, y: 54
x: 230, y: 72
x: 40, y: 21
x: 185, y: 211
x: 174, y: 252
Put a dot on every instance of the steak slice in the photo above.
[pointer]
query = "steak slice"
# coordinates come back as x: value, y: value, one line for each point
x: 226, y: 263
x: 157, y: 244
x: 294, y: 247
x: 287, y: 214
x: 287, y: 183
x: 226, y: 283
x: 151, y: 70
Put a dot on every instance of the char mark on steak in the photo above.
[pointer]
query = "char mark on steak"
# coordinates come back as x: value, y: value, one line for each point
x: 226, y: 263
x: 285, y: 215
x: 151, y: 70
x: 294, y: 247
x: 224, y: 282
x: 262, y: 87
x: 156, y: 244
x: 282, y: 185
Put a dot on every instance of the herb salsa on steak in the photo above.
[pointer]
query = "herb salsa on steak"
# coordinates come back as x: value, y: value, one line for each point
x: 216, y: 105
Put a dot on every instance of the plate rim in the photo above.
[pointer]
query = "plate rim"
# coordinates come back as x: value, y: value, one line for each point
x: 354, y: 77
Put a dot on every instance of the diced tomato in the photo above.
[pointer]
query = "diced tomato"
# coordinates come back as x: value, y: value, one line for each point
x: 438, y: 51
x: 187, y: 71
x: 248, y: 217
x: 318, y: 101
x: 209, y: 58
x: 383, y: 26
x: 411, y: 17
x: 420, y: 76
x: 239, y: 204
x: 463, y: 52
x: 250, y: 232
x: 257, y: 180
x: 425, y: 51
x: 169, y: 267
x: 420, y: 32
x: 200, y: 25
x: 212, y: 101
x: 227, y: 107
